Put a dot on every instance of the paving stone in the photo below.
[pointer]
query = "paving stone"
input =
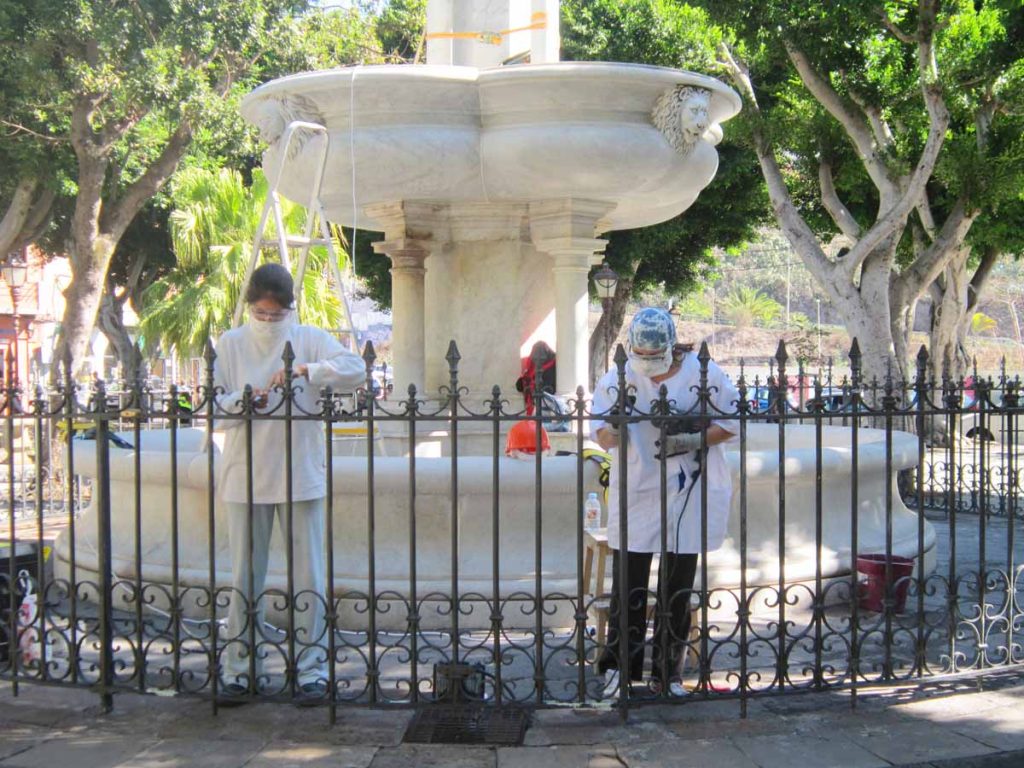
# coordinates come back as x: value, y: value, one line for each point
x: 685, y: 754
x: 1001, y: 728
x: 713, y: 729
x: 79, y: 750
x: 1006, y: 760
x: 15, y: 739
x: 785, y: 750
x: 597, y: 756
x: 209, y: 754
x: 955, y: 704
x: 694, y: 709
x: 366, y: 727
x: 287, y: 755
x: 596, y: 733
x: 430, y: 755
x: 902, y: 742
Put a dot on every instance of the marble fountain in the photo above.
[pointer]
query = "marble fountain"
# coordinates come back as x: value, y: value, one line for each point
x: 491, y: 185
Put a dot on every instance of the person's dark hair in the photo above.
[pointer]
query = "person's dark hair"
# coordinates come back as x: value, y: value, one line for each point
x: 271, y: 281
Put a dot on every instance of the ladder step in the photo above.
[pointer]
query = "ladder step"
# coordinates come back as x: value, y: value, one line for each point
x: 295, y: 241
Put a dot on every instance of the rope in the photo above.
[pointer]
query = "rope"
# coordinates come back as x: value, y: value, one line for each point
x: 352, y: 160
x: 538, y: 20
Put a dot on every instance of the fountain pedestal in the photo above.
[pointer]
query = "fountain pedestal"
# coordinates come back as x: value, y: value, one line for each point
x: 496, y: 277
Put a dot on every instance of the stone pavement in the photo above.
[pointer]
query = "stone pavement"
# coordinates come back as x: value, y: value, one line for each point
x: 967, y: 723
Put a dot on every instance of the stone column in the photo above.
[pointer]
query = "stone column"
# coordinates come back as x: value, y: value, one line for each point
x: 408, y: 309
x: 571, y: 270
x: 564, y: 229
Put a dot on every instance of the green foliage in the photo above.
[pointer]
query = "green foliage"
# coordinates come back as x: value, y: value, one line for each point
x: 212, y: 229
x: 800, y: 321
x: 678, y: 253
x: 695, y: 306
x: 979, y: 59
x: 982, y: 323
x: 745, y: 307
x: 400, y: 28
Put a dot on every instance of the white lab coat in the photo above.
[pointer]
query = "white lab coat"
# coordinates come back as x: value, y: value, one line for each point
x: 245, y: 358
x: 643, y: 481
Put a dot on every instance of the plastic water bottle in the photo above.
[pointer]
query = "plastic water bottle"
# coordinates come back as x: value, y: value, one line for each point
x: 592, y: 513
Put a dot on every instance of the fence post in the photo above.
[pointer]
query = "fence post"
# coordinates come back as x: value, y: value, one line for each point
x: 12, y: 576
x: 855, y: 402
x: 372, y: 668
x: 781, y: 402
x: 620, y: 420
x: 922, y: 395
x: 101, y: 497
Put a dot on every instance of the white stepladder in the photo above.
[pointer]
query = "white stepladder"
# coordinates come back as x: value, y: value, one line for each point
x: 285, y: 241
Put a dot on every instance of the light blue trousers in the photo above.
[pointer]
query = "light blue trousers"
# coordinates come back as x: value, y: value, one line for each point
x: 309, y: 590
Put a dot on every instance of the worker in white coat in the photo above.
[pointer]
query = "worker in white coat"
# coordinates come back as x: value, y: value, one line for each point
x: 691, y: 447
x: 252, y: 355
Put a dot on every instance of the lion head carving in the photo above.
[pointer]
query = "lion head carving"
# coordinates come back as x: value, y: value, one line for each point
x: 681, y: 114
x: 273, y: 115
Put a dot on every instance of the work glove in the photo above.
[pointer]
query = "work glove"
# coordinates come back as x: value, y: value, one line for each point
x: 614, y: 429
x: 674, y: 445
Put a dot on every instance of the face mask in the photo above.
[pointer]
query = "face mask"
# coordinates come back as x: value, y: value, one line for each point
x: 650, y: 366
x: 270, y: 330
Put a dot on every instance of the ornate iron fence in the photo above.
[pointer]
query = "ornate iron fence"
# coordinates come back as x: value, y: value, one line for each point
x: 454, y: 572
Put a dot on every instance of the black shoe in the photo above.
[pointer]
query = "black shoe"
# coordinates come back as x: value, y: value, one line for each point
x: 311, y: 694
x: 232, y: 695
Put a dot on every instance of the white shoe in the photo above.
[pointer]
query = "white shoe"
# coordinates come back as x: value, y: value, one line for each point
x: 611, y: 683
x: 676, y: 690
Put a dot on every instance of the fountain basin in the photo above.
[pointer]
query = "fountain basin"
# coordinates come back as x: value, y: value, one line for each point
x: 473, y: 508
x: 512, y: 134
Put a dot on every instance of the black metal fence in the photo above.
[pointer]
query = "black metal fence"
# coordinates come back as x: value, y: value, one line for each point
x: 857, y: 552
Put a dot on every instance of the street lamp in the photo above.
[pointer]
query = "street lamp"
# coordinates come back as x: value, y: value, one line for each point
x: 605, y: 280
x: 15, y: 272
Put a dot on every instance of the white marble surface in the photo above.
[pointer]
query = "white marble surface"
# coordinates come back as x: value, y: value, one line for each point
x: 507, y: 134
x: 473, y: 506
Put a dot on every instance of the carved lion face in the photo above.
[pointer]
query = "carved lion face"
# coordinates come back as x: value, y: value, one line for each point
x: 269, y: 121
x: 681, y: 114
x: 693, y: 114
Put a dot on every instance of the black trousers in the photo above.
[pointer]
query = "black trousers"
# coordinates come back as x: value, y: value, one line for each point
x: 678, y: 573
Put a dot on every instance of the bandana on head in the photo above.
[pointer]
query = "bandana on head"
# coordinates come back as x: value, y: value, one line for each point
x: 652, y: 330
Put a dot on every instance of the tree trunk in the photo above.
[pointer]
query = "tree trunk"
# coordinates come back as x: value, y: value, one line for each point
x: 950, y: 321
x: 111, y: 322
x: 82, y: 301
x: 610, y: 324
x: 25, y: 216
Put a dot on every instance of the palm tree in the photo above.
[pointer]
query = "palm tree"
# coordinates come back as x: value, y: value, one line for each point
x: 213, y: 224
x: 746, y: 306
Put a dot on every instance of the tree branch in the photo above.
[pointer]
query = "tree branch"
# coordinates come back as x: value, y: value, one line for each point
x: 927, y: 267
x: 898, y: 33
x: 924, y: 212
x: 989, y: 259
x: 856, y: 128
x: 13, y: 222
x: 896, y: 216
x: 879, y: 128
x: 830, y: 199
x: 800, y: 236
x: 119, y: 214
x: 18, y: 128
x: 37, y: 219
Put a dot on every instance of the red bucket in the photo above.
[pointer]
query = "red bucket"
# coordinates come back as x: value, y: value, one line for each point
x: 873, y: 588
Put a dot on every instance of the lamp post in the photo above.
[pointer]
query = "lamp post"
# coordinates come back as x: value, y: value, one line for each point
x: 15, y: 272
x: 605, y: 280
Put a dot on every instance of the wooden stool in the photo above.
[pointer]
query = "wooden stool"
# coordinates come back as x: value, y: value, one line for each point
x: 595, y: 548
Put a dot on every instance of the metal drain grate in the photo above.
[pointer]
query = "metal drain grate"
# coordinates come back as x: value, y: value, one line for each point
x: 468, y: 724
